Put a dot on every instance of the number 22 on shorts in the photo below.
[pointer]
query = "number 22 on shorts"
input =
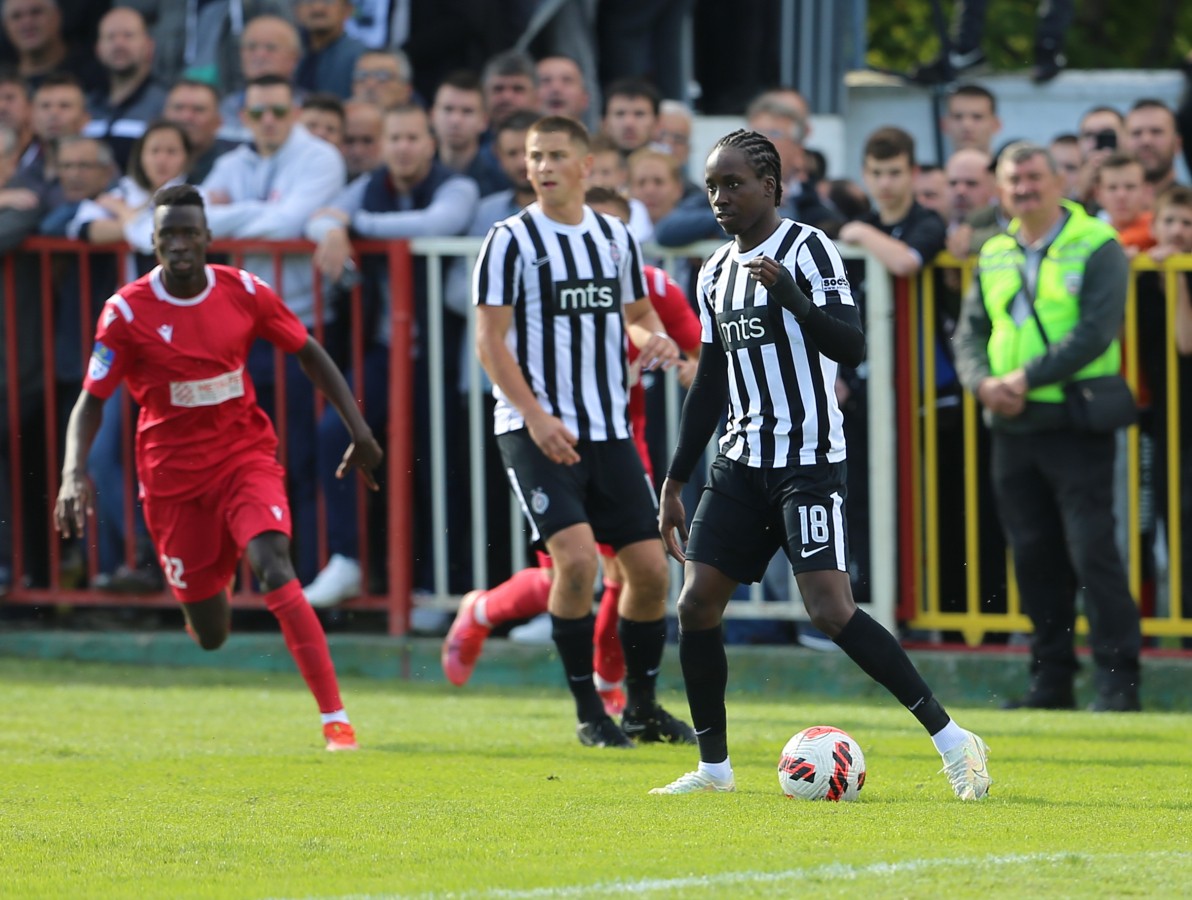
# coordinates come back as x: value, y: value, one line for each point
x: 172, y: 568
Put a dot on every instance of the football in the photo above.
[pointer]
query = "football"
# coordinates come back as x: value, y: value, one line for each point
x: 821, y: 763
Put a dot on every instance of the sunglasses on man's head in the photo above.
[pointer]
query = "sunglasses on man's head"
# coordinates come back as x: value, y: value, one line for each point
x: 256, y: 113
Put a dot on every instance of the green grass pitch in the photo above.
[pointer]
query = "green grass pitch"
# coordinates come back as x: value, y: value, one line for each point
x: 176, y: 783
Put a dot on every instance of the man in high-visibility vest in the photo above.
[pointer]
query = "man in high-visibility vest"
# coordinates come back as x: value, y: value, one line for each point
x: 1045, y: 309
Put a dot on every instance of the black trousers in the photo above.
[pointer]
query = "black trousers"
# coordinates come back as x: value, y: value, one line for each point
x: 968, y: 24
x: 1054, y: 493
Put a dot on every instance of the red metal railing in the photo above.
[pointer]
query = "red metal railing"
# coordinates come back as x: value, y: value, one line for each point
x: 396, y: 602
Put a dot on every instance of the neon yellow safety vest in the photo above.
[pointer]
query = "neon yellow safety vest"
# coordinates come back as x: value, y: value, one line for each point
x: 1057, y: 298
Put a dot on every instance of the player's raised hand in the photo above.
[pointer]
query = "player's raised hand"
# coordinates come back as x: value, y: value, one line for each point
x: 780, y: 284
x: 76, y: 501
x: 554, y: 439
x: 672, y: 517
x: 364, y: 453
x: 660, y: 352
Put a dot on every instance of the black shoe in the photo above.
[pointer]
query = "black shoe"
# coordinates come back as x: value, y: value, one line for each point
x: 602, y: 733
x: 1043, y: 700
x: 1125, y: 700
x: 127, y: 580
x: 657, y: 726
x: 946, y: 68
x: 1048, y: 64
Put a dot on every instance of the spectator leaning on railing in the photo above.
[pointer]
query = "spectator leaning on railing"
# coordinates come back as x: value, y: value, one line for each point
x: 411, y: 195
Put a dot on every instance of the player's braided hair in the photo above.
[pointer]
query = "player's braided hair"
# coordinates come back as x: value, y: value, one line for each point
x: 760, y: 153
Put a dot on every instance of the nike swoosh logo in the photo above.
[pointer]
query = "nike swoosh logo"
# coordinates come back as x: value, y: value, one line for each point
x: 703, y: 731
x: 650, y: 673
x: 539, y: 262
x: 806, y: 553
x: 579, y: 678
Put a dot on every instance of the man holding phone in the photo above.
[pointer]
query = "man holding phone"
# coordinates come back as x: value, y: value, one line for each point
x: 1102, y: 131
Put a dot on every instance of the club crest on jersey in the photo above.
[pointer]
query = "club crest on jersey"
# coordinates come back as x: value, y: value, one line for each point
x: 109, y: 315
x: 579, y: 296
x: 166, y: 332
x: 539, y: 501
x: 102, y: 357
x: 615, y: 252
x: 748, y: 327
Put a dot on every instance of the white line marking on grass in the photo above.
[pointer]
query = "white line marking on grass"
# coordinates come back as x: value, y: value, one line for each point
x: 730, y: 879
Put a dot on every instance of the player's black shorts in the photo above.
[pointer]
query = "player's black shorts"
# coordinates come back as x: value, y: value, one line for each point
x: 608, y: 488
x: 746, y: 514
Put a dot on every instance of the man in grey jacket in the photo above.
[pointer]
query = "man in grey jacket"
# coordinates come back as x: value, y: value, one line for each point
x: 1045, y: 310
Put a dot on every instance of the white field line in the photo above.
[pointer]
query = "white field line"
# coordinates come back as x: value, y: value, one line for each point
x: 722, y: 880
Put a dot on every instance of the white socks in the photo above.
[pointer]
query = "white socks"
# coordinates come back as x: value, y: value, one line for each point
x: 721, y: 771
x: 949, y: 737
x: 340, y: 715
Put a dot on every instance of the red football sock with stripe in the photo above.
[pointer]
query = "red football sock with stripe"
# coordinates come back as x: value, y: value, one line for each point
x: 608, y: 660
x: 307, y: 643
x: 523, y: 596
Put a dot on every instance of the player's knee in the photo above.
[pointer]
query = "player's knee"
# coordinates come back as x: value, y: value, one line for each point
x: 574, y: 569
x: 274, y: 573
x: 211, y: 640
x: 697, y: 613
x: 828, y: 605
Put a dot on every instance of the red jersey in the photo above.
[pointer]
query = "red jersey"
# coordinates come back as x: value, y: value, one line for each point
x: 184, y: 362
x: 681, y: 323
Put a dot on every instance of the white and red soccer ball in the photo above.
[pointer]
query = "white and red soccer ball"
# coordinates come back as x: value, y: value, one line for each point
x: 821, y: 763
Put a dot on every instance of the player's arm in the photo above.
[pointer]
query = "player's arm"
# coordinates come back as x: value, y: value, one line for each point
x: 701, y: 414
x: 76, y: 499
x: 658, y: 349
x: 363, y: 453
x: 553, y: 437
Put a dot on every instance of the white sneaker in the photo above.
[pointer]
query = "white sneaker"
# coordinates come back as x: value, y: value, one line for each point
x: 967, y: 770
x: 340, y: 580
x: 536, y: 631
x: 696, y: 782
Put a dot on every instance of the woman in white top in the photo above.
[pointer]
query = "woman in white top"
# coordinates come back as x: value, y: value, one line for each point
x: 159, y: 158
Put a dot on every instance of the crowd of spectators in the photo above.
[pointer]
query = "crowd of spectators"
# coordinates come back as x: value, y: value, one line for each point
x: 304, y: 120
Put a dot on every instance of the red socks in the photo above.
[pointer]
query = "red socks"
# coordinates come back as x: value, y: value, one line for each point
x: 608, y: 661
x: 306, y: 642
x: 523, y: 596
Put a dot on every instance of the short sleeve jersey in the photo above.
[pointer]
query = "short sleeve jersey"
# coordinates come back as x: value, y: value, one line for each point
x: 184, y: 363
x: 567, y: 285
x: 781, y: 389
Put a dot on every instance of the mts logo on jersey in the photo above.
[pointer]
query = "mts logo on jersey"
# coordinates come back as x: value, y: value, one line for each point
x: 749, y: 327
x: 587, y: 295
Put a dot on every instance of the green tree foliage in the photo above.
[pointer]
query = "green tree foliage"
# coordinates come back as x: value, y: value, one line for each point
x: 1105, y: 34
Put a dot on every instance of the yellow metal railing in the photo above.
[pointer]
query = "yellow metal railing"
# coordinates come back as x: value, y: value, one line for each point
x: 974, y: 621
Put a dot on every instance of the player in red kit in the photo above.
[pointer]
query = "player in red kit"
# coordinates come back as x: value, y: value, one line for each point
x: 525, y: 594
x: 211, y: 486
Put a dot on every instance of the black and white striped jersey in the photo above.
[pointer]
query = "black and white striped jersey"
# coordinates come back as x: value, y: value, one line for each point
x: 781, y: 389
x: 567, y: 285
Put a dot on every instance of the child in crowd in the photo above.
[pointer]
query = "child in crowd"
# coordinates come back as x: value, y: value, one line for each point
x: 1119, y: 189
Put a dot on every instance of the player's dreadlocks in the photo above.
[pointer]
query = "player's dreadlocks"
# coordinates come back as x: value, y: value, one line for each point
x: 760, y: 154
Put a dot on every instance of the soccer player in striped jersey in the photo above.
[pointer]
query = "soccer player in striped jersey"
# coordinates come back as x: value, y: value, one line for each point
x: 558, y: 289
x: 778, y: 317
x: 527, y: 593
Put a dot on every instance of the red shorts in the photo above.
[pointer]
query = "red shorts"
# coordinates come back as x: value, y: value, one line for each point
x: 200, y: 540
